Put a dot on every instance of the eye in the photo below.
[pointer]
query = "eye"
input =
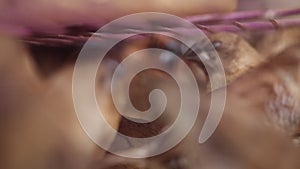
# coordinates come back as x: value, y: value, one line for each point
x: 217, y: 44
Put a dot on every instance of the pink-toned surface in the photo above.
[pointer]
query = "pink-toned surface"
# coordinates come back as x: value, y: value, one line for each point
x: 54, y: 16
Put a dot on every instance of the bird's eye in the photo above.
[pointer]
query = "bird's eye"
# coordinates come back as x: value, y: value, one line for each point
x: 217, y: 44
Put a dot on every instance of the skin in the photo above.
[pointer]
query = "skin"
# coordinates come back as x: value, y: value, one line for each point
x: 256, y: 112
x: 23, y: 17
x: 39, y: 128
x: 237, y: 56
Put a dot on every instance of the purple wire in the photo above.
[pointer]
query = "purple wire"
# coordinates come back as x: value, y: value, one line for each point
x: 209, y: 23
x: 252, y: 26
x: 243, y: 16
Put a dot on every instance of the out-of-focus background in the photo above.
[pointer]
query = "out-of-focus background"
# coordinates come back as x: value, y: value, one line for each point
x: 38, y: 125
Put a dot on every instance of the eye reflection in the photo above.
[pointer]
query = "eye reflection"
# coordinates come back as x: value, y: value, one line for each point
x: 217, y: 44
